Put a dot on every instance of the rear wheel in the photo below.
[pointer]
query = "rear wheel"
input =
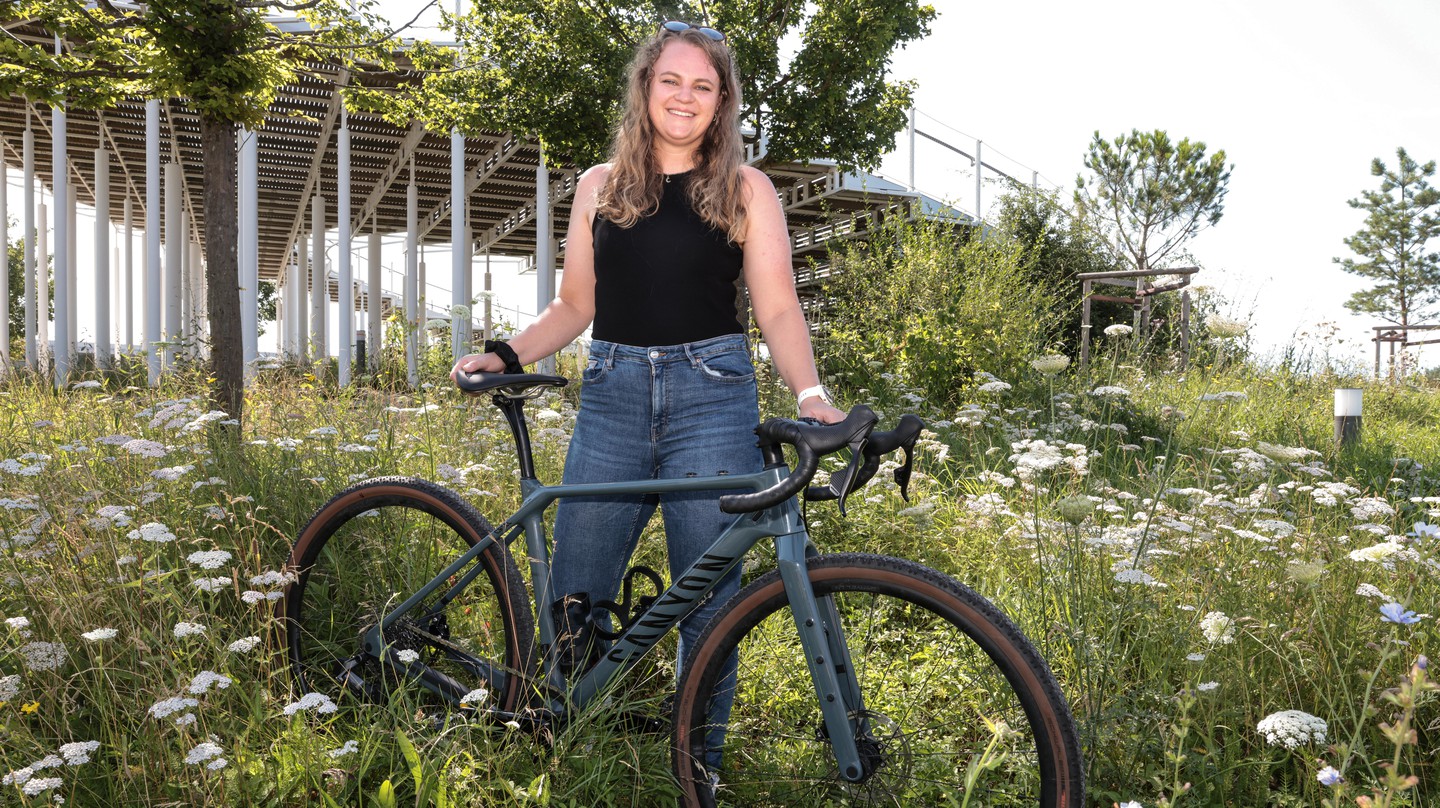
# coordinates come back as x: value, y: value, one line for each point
x: 952, y: 693
x: 363, y: 554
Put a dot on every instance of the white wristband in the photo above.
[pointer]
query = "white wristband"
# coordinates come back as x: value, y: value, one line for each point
x: 817, y: 390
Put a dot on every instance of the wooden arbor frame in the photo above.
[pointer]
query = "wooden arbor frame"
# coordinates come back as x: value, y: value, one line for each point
x: 1398, y: 334
x: 1140, y: 281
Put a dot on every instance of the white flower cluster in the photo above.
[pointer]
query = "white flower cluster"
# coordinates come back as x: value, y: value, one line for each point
x: 207, y: 751
x: 1386, y: 553
x: 319, y: 702
x: 268, y: 578
x: 9, y: 687
x: 350, y: 748
x: 209, y: 559
x: 205, y: 679
x: 43, y: 656
x: 144, y: 448
x: 210, y: 584
x: 152, y: 532
x: 244, y: 645
x: 1034, y: 457
x: 1217, y: 628
x: 173, y: 473
x: 1110, y: 391
x: 165, y: 708
x: 1284, y: 454
x: 1292, y: 728
x: 1330, y: 494
x: 184, y: 629
x: 1371, y: 509
x: 99, y: 634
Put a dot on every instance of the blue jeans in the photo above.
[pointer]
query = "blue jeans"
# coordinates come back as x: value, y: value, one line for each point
x: 659, y: 412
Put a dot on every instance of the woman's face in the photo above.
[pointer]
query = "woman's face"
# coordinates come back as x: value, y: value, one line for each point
x: 684, y: 95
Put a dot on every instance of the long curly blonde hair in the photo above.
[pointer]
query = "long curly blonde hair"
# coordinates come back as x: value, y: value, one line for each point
x: 634, y: 185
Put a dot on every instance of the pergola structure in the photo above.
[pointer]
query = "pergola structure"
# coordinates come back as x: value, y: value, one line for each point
x: 315, y: 168
x: 1393, y: 335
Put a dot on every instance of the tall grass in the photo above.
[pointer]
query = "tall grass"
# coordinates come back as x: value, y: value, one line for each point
x: 1189, y: 549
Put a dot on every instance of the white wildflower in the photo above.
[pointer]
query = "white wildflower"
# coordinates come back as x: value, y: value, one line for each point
x: 993, y: 387
x: 144, y: 448
x: 319, y: 702
x: 99, y: 634
x: 173, y: 473
x: 9, y: 687
x: 1292, y: 728
x: 205, y: 679
x: 1050, y: 364
x: 244, y: 645
x: 209, y: 559
x: 39, y: 785
x: 210, y: 584
x: 1284, y: 454
x: 350, y: 748
x: 79, y: 752
x: 1118, y: 330
x: 252, y: 597
x: 1217, y: 628
x: 1206, y: 687
x: 152, y: 532
x: 1110, y: 391
x: 184, y: 629
x: 43, y: 656
x: 1371, y: 509
x: 164, y: 708
x: 474, y: 698
x: 1225, y: 327
x: 203, y: 752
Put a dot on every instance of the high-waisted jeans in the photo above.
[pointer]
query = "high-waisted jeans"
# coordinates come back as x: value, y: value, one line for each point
x: 658, y: 412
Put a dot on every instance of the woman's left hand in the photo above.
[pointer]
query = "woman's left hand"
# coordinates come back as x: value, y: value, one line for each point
x: 815, y: 407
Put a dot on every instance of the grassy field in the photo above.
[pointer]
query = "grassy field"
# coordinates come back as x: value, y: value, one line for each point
x: 1190, y: 551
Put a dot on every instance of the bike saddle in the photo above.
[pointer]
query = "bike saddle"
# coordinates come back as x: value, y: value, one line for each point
x: 513, y: 385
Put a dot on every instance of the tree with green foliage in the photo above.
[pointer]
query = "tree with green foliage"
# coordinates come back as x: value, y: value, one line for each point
x: 228, y: 60
x: 929, y: 302
x: 1153, y: 193
x: 1059, y: 245
x: 553, y: 71
x: 1400, y: 220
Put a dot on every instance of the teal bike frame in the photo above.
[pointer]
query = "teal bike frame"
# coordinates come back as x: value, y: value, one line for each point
x: 816, y: 620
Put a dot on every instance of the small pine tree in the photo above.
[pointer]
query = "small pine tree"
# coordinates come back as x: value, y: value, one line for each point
x: 1400, y: 218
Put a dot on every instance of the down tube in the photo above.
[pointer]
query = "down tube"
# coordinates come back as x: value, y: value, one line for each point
x: 683, y: 596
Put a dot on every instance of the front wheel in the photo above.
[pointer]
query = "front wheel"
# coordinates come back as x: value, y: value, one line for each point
x: 366, y: 551
x: 958, y: 707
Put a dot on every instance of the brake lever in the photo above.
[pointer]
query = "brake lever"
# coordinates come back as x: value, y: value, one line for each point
x: 902, y: 474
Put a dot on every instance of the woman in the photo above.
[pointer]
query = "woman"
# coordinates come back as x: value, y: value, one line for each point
x: 658, y: 238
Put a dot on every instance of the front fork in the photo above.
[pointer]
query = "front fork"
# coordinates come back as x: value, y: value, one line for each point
x: 826, y: 653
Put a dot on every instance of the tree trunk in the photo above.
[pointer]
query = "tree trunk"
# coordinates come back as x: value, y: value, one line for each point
x: 222, y: 268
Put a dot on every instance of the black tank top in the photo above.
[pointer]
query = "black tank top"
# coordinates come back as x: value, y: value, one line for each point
x: 669, y: 279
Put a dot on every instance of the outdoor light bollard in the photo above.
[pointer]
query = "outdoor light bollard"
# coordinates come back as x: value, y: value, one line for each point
x: 360, y: 349
x: 1347, y: 416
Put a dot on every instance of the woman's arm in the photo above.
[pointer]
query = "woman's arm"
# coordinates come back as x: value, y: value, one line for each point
x: 574, y: 306
x: 771, y: 280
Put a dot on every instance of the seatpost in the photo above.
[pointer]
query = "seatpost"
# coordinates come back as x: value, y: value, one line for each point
x: 514, y: 409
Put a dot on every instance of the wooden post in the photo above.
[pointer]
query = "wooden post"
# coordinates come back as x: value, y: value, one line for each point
x: 1084, y: 325
x: 1185, y: 329
x: 1377, y: 355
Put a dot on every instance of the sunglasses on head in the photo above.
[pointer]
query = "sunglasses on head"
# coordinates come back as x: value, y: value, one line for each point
x: 676, y: 26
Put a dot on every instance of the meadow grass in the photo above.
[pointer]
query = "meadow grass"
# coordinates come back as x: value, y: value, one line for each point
x: 1189, y: 550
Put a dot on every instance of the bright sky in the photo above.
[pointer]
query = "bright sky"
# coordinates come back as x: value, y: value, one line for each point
x: 1300, y: 95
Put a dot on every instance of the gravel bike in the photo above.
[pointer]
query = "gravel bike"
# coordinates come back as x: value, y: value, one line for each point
x: 862, y: 679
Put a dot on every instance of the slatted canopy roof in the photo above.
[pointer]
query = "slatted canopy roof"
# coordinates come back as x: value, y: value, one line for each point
x: 297, y: 153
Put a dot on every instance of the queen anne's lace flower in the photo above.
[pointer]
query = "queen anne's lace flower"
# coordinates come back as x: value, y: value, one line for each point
x: 1292, y: 728
x: 244, y: 646
x: 153, y: 532
x: 1217, y: 628
x: 1371, y: 509
x: 204, y: 679
x: 1051, y: 364
x: 43, y: 656
x: 166, y: 707
x: 204, y: 751
x: 319, y: 702
x: 1118, y: 330
x: 100, y: 634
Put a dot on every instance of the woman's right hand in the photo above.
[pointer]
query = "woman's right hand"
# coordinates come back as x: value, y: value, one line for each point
x: 485, y: 362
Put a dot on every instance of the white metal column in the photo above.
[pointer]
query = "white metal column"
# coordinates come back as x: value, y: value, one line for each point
x: 302, y: 299
x: 60, y: 183
x: 544, y: 256
x: 199, y: 321
x: 174, y: 249
x: 72, y: 262
x: 27, y: 162
x: 42, y: 290
x: 373, y: 298
x: 152, y: 238
x: 103, y: 300
x: 345, y: 332
x: 187, y: 286
x: 249, y: 252
x: 412, y: 285
x: 128, y: 268
x: 319, y: 280
x: 459, y: 256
